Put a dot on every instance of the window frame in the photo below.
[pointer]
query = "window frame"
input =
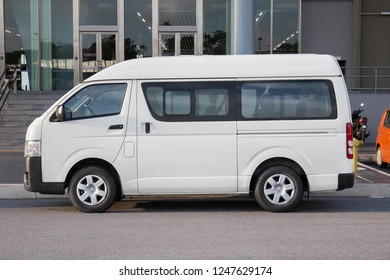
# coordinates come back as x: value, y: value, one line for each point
x: 235, y: 99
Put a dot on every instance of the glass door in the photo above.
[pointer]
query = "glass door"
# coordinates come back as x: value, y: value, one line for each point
x: 177, y: 43
x: 98, y: 51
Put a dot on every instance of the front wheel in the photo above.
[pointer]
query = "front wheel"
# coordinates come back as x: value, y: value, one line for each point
x: 92, y: 189
x: 279, y: 189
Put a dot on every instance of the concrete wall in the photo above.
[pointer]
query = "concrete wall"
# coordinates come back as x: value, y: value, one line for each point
x: 327, y: 28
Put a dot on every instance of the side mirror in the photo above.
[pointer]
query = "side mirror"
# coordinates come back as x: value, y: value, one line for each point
x: 60, y: 113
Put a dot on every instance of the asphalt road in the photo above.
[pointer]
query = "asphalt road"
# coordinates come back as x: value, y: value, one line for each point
x: 322, y: 228
x: 11, y: 167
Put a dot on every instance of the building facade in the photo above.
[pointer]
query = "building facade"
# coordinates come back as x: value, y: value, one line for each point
x: 59, y: 43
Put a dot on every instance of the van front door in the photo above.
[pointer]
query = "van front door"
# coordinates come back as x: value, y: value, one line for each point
x: 186, y: 138
x: 93, y: 128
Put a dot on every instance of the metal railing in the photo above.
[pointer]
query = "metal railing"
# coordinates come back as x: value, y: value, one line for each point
x: 7, y: 81
x: 372, y: 79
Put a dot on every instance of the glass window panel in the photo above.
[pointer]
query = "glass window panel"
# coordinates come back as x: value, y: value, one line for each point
x: 154, y: 97
x: 108, y: 49
x: 214, y: 26
x: 177, y: 103
x: 187, y: 44
x: 52, y: 43
x: 138, y: 28
x: 56, y: 45
x: 285, y: 26
x: 190, y: 101
x: 98, y: 12
x: 22, y: 37
x: 211, y: 102
x: 167, y: 44
x: 96, y: 101
x: 262, y: 26
x: 177, y: 12
x: 288, y: 100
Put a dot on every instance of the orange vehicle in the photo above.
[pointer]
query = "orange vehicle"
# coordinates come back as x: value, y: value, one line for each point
x: 383, y: 140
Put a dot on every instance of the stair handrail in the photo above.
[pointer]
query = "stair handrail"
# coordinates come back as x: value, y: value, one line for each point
x: 7, y: 84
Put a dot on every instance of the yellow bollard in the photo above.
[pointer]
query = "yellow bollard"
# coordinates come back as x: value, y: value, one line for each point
x: 356, y: 144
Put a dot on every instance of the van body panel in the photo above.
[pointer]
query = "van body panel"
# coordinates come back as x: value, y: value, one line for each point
x: 198, y: 125
x: 323, y: 182
x: 126, y: 162
x: 222, y: 67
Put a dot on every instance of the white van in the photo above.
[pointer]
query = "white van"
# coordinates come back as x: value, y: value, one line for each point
x: 272, y: 126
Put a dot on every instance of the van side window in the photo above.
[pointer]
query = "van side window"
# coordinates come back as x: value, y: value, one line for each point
x: 211, y: 102
x: 96, y: 101
x: 190, y: 101
x: 177, y: 102
x: 285, y: 100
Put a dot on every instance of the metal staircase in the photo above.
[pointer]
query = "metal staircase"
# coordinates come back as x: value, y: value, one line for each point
x: 7, y: 81
x: 18, y: 109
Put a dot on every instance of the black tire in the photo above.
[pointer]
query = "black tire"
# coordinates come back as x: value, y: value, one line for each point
x: 379, y: 160
x: 279, y: 189
x: 92, y: 189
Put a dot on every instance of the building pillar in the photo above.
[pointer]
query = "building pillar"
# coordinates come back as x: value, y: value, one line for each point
x: 242, y: 27
x: 356, y: 42
x: 46, y: 64
x: 155, y: 25
x: 2, y: 39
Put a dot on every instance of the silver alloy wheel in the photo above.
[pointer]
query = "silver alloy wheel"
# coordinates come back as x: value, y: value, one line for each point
x: 91, y: 190
x: 279, y: 189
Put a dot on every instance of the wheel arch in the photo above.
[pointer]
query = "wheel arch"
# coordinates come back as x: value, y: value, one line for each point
x: 279, y: 161
x: 96, y: 162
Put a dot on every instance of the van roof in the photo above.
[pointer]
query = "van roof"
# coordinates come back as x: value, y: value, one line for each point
x: 222, y: 66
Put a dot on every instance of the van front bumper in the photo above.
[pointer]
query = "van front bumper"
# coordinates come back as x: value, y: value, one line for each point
x: 33, y: 178
x: 346, y: 181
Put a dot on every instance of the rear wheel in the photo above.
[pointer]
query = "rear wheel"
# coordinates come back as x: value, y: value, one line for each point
x: 279, y: 189
x: 92, y: 189
x: 379, y: 160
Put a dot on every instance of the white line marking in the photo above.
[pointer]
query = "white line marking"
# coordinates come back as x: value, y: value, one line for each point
x: 365, y: 179
x: 373, y: 169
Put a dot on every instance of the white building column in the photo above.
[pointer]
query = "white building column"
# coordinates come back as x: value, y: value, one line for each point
x: 242, y: 27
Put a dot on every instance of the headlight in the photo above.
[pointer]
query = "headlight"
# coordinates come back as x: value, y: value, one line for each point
x: 32, y: 149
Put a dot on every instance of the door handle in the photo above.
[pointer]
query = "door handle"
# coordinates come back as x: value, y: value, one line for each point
x: 147, y: 128
x: 116, y: 126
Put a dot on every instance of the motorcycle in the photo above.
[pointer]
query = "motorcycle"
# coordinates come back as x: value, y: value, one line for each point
x: 359, y: 124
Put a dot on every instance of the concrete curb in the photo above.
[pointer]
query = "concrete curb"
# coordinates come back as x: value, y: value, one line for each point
x: 17, y: 191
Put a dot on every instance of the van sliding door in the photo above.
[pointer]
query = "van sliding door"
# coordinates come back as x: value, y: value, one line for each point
x: 186, y: 138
